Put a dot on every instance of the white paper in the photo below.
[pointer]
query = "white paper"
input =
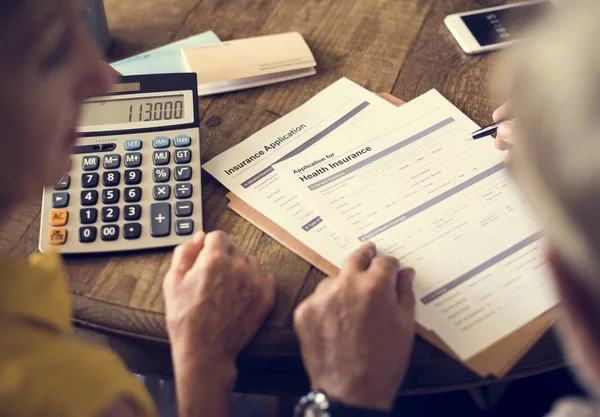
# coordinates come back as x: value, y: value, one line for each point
x: 246, y: 169
x: 418, y: 187
x: 163, y: 60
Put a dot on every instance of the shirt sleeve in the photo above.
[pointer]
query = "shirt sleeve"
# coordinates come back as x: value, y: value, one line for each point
x: 60, y: 376
x: 573, y: 407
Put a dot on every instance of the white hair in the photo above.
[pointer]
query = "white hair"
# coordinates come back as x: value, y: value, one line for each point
x: 553, y: 82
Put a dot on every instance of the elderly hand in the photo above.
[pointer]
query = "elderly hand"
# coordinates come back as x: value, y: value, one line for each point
x: 356, y: 330
x: 504, y: 138
x: 216, y: 298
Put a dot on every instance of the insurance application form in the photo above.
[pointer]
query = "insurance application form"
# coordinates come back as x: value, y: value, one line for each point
x: 426, y: 193
x: 247, y: 168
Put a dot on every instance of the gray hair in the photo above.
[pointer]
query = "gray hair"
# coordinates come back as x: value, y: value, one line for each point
x: 553, y: 82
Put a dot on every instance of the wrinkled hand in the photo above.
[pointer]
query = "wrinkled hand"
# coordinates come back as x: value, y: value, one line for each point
x: 504, y: 138
x: 356, y: 330
x: 216, y: 298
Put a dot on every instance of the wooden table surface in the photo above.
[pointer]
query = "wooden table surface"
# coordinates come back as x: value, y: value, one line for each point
x: 396, y: 46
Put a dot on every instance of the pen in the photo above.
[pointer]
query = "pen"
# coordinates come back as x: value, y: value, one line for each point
x: 488, y: 130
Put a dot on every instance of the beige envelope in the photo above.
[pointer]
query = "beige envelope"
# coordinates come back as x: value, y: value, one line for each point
x: 245, y: 63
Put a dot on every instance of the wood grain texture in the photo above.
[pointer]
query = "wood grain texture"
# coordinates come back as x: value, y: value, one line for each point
x: 398, y: 46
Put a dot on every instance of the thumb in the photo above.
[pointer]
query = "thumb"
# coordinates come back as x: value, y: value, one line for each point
x: 406, y: 297
x: 185, y: 255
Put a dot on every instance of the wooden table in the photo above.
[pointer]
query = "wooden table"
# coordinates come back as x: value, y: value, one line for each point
x: 396, y: 46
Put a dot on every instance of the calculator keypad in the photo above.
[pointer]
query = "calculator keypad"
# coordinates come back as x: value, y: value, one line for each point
x: 88, y: 234
x: 110, y: 232
x: 138, y: 194
x: 132, y: 212
x: 111, y: 178
x: 160, y: 219
x: 88, y: 215
x: 112, y: 161
x: 110, y: 214
x: 161, y: 192
x: 60, y: 200
x: 132, y: 194
x: 183, y: 173
x: 133, y: 176
x: 111, y: 196
x: 161, y: 157
x: 133, y: 160
x: 63, y: 184
x: 162, y: 174
x: 90, y: 163
x: 90, y: 180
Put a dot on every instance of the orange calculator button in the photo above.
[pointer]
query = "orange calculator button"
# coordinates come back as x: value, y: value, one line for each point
x: 59, y: 217
x: 57, y: 236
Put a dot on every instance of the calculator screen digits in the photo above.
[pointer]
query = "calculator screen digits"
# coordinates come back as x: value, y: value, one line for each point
x: 133, y: 110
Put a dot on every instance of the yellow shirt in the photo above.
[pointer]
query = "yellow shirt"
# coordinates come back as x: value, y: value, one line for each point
x: 44, y: 371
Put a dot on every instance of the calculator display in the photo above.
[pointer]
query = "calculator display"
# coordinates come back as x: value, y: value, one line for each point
x: 149, y: 109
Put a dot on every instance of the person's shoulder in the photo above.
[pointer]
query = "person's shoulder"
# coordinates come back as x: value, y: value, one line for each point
x: 44, y: 370
x: 573, y: 407
x: 47, y: 373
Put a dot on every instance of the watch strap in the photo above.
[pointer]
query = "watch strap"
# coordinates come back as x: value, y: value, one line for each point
x: 337, y: 409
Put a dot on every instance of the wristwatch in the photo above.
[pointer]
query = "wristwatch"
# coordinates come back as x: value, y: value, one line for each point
x: 318, y: 404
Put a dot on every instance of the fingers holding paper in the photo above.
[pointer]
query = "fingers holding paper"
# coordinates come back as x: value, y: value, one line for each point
x: 356, y: 331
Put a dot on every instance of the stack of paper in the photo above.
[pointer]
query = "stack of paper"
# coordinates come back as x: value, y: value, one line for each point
x: 252, y: 62
x: 163, y: 60
x: 348, y: 167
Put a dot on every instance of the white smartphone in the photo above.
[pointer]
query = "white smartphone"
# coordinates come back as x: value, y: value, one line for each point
x: 495, y: 28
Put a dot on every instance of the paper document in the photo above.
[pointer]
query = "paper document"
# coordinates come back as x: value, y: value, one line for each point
x: 247, y: 168
x: 163, y: 60
x: 442, y: 203
x: 252, y: 62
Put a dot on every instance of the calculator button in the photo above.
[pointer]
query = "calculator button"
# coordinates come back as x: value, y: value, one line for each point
x: 133, y: 160
x: 133, y: 176
x: 132, y: 231
x: 89, y: 198
x: 184, y: 208
x: 89, y: 180
x: 110, y: 232
x: 88, y: 216
x: 90, y: 163
x: 87, y: 234
x: 57, y: 236
x: 183, y: 191
x: 161, y: 142
x: 132, y: 194
x: 184, y: 227
x: 112, y: 161
x: 182, y: 141
x: 183, y: 173
x: 63, y: 184
x: 161, y: 157
x: 132, y: 212
x: 111, y: 196
x: 161, y: 192
x: 183, y: 156
x: 111, y: 178
x: 59, y: 217
x: 133, y: 145
x: 160, y: 219
x: 162, y: 174
x: 110, y: 214
x: 60, y: 200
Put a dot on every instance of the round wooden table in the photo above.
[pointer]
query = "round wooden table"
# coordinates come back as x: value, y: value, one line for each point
x: 401, y: 47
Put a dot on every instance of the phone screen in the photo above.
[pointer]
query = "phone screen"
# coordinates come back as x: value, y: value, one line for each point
x: 503, y: 25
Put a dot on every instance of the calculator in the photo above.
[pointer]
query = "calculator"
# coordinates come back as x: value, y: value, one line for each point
x: 134, y: 181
